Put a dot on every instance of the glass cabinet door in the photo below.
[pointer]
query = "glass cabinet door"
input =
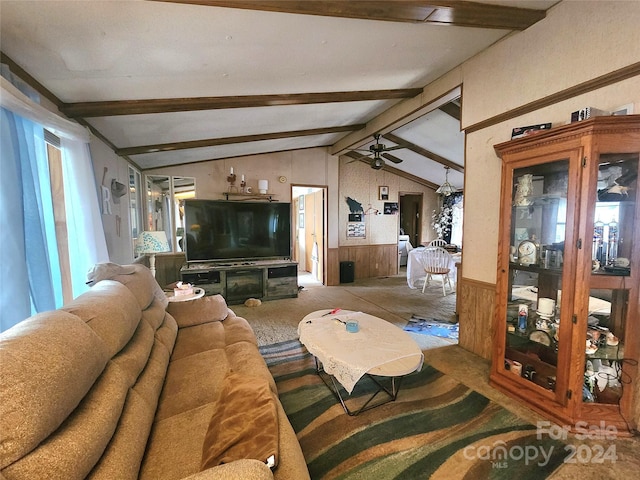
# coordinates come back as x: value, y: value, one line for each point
x: 536, y: 269
x: 611, y: 250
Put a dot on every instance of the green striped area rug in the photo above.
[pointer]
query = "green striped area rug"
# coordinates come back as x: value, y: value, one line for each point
x: 437, y: 428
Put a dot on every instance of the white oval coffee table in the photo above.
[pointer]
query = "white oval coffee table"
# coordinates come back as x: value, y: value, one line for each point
x: 378, y: 349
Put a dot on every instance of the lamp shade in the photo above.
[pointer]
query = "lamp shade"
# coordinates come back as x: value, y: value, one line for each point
x: 263, y: 186
x: 152, y: 242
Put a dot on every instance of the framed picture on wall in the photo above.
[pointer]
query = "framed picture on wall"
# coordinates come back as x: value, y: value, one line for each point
x: 390, y: 208
x: 356, y: 230
x: 383, y: 193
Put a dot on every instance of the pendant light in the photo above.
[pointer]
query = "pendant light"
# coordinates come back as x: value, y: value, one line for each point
x: 446, y: 188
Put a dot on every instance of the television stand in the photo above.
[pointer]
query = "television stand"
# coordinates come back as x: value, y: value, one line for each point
x: 239, y: 280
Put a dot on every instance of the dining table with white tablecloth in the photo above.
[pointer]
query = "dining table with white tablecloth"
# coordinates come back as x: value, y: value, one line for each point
x: 415, y: 268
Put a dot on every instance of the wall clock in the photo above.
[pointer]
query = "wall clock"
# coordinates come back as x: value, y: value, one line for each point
x: 282, y: 179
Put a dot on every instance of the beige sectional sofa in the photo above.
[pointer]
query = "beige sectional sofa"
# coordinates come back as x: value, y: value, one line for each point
x: 120, y: 384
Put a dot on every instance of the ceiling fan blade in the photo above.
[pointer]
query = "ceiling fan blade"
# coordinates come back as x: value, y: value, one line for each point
x: 395, y: 147
x: 392, y: 158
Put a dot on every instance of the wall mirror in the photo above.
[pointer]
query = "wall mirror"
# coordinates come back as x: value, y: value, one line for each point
x: 158, y: 205
x: 135, y: 204
x: 183, y: 188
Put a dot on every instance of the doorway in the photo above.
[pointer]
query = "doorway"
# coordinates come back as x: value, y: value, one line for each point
x: 309, y: 224
x: 411, y: 216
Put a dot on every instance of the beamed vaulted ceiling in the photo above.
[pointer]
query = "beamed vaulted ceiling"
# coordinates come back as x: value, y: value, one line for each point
x: 180, y: 82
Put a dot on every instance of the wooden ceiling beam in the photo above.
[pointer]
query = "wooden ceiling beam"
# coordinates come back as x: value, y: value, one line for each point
x: 215, y: 142
x: 452, y: 109
x: 442, y: 12
x: 424, y: 152
x: 167, y: 105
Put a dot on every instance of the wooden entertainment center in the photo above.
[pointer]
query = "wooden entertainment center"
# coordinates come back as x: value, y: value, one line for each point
x: 239, y: 280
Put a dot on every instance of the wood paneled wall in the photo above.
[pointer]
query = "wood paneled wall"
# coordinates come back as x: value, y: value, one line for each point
x: 476, y: 304
x: 168, y: 267
x: 369, y: 261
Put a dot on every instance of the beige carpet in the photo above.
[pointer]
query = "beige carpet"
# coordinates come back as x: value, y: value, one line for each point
x: 386, y: 297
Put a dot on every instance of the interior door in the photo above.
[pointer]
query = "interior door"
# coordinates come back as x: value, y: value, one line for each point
x: 317, y: 250
x: 296, y: 233
x: 411, y: 216
x: 309, y: 211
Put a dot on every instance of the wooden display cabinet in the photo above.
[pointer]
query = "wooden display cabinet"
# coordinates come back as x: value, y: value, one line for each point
x: 569, y: 251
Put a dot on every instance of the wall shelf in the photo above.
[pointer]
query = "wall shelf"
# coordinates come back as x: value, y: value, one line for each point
x: 249, y: 196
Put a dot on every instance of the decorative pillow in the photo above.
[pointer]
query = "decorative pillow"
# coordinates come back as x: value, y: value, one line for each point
x: 244, y: 425
x: 201, y: 310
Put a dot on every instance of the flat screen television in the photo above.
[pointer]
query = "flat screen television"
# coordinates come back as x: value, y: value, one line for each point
x: 218, y: 230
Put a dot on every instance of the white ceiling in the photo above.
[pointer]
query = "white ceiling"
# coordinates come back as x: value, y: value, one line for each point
x: 101, y: 51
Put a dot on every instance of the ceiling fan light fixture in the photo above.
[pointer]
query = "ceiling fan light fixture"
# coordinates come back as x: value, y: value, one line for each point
x: 377, y: 163
x: 446, y: 188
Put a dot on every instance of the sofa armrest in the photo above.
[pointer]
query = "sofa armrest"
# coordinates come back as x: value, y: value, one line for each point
x: 201, y: 310
x: 249, y: 469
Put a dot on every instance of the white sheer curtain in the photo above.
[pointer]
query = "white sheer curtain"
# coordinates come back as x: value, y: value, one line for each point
x: 85, y: 231
x: 30, y: 273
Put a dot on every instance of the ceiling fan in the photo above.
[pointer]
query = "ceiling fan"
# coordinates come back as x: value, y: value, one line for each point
x: 379, y: 150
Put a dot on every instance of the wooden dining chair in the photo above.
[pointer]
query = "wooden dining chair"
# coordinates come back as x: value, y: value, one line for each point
x: 436, y: 261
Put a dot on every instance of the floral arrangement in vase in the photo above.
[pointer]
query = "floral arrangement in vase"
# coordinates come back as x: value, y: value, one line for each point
x: 441, y: 220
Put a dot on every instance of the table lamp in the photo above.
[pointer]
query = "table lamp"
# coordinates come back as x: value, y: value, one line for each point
x: 152, y: 243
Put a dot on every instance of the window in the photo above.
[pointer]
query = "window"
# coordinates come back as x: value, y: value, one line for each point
x: 48, y: 207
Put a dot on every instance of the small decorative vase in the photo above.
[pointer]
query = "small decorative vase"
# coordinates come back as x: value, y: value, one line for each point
x: 523, y: 190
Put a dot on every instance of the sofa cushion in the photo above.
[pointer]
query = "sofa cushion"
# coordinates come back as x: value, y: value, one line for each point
x: 136, y: 278
x: 244, y: 423
x: 49, y: 363
x: 201, y: 310
x: 114, y: 322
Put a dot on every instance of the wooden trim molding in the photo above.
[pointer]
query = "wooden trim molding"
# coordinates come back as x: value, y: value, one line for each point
x: 611, y: 78
x: 32, y: 82
x: 60, y: 219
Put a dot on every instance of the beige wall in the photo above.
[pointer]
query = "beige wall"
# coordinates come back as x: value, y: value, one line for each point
x: 360, y: 182
x: 119, y: 242
x: 313, y: 166
x: 482, y: 176
x: 304, y: 167
x: 548, y: 57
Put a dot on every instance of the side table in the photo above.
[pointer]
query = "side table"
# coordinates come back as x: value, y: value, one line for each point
x: 197, y: 293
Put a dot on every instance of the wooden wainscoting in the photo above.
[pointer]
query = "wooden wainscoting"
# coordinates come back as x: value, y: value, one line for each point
x: 369, y: 261
x: 168, y: 267
x: 333, y: 267
x: 475, y: 305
